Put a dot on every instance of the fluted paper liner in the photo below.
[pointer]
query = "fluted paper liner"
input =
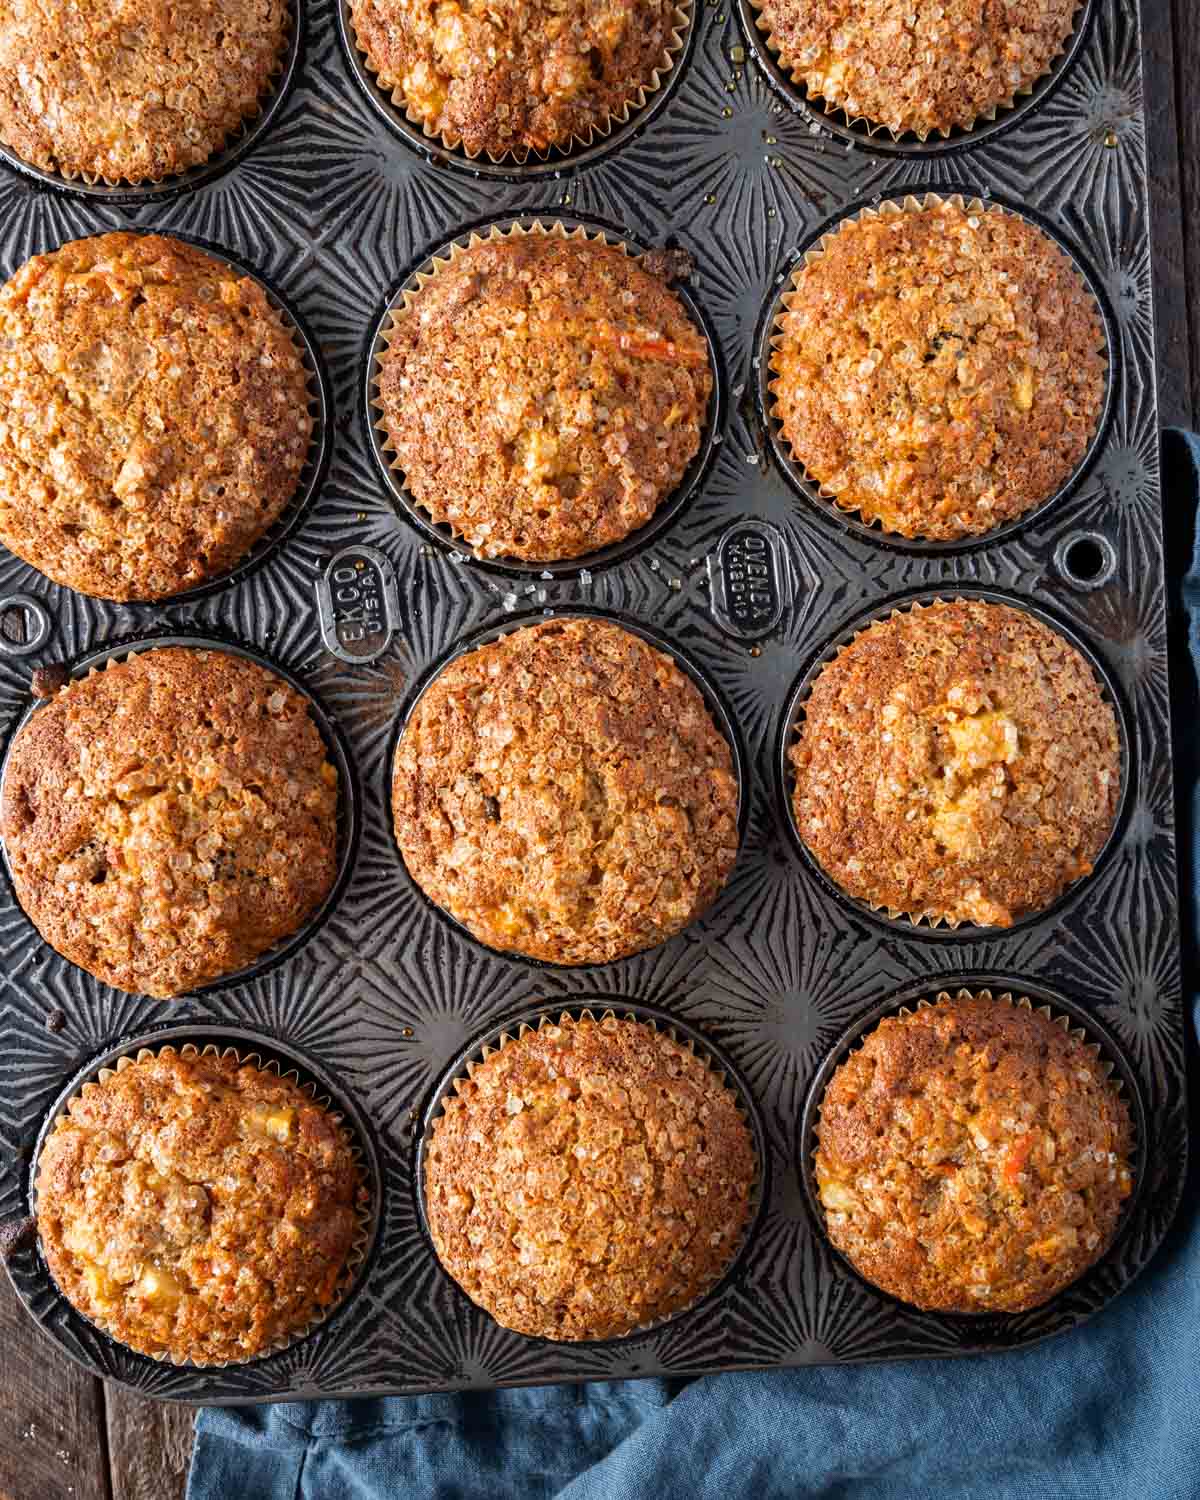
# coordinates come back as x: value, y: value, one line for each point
x: 178, y: 181
x: 891, y: 207
x: 894, y: 914
x: 1066, y: 1023
x: 681, y: 22
x: 731, y: 1084
x: 819, y: 104
x: 358, y: 1247
x: 440, y: 261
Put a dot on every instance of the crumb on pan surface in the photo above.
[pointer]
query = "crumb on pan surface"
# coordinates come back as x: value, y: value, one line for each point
x: 924, y: 66
x: 564, y: 793
x: 170, y: 817
x: 940, y: 370
x: 154, y: 415
x: 524, y: 76
x: 973, y: 1157
x: 589, y: 1177
x: 957, y: 762
x: 133, y: 91
x: 544, y: 395
x: 197, y: 1207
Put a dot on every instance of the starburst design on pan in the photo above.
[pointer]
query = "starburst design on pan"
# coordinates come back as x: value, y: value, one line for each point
x: 663, y: 976
x: 36, y: 221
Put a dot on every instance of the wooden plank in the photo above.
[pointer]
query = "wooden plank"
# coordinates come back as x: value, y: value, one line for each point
x: 149, y: 1446
x: 52, y: 1436
x: 1174, y: 231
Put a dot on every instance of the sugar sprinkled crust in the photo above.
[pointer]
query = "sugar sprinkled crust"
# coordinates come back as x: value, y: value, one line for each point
x: 197, y: 1207
x: 153, y: 415
x: 941, y: 369
x: 170, y: 818
x: 564, y: 793
x: 544, y: 395
x: 136, y: 91
x: 530, y: 75
x: 973, y: 1157
x: 589, y: 1177
x: 957, y: 762
x: 919, y: 65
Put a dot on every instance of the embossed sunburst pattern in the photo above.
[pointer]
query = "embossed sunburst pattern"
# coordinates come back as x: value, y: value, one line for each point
x: 333, y: 211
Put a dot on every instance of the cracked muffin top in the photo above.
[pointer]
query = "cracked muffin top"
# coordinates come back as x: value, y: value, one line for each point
x: 974, y: 1156
x: 196, y: 1207
x: 519, y: 75
x: 170, y: 817
x: 154, y: 415
x: 588, y: 1178
x: 924, y: 66
x: 957, y: 762
x: 544, y: 395
x: 941, y: 369
x: 564, y: 793
x: 132, y: 90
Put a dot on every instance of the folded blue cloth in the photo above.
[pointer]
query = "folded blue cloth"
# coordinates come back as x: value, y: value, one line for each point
x: 1110, y: 1411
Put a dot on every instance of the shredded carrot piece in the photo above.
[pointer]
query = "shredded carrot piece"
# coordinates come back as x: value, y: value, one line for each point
x: 1018, y: 1155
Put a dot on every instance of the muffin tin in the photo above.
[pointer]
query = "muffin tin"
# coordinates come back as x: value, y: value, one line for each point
x: 749, y: 580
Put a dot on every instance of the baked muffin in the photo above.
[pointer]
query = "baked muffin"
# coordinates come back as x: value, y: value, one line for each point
x: 198, y: 1208
x: 169, y: 818
x: 957, y: 762
x: 544, y: 395
x: 137, y: 91
x: 520, y: 77
x: 939, y: 369
x: 973, y: 1156
x: 923, y: 66
x: 153, y: 415
x: 564, y: 793
x: 588, y: 1178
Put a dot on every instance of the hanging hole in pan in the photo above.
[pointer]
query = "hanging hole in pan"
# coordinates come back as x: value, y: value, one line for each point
x: 24, y: 625
x: 1086, y: 560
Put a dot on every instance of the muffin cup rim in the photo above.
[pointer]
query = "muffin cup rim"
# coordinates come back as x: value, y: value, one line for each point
x: 400, y: 299
x: 636, y: 112
x: 597, y: 1007
x: 238, y: 143
x: 724, y: 721
x: 907, y: 198
x: 267, y: 1055
x: 873, y: 136
x: 1000, y: 988
x: 337, y: 749
x: 920, y: 926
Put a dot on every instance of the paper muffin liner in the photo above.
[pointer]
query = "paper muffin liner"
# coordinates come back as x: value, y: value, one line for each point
x: 221, y: 155
x: 1100, y: 1048
x: 861, y: 125
x: 682, y: 20
x: 794, y: 715
x: 357, y: 1253
x: 775, y: 335
x: 402, y: 307
x: 599, y: 1012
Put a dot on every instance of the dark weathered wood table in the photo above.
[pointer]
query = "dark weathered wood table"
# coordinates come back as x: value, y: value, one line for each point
x: 65, y: 1434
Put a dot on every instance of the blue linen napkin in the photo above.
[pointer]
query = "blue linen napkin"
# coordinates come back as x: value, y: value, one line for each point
x: 1110, y: 1411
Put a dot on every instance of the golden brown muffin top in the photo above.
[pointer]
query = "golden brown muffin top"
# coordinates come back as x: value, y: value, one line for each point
x: 519, y: 76
x: 941, y: 370
x: 169, y: 818
x: 564, y: 793
x: 153, y: 415
x: 544, y: 395
x: 197, y: 1207
x: 588, y: 1178
x: 918, y: 65
x: 135, y: 90
x: 957, y: 762
x: 973, y: 1157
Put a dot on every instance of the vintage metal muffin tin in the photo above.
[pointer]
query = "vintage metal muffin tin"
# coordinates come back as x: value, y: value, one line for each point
x: 752, y: 579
